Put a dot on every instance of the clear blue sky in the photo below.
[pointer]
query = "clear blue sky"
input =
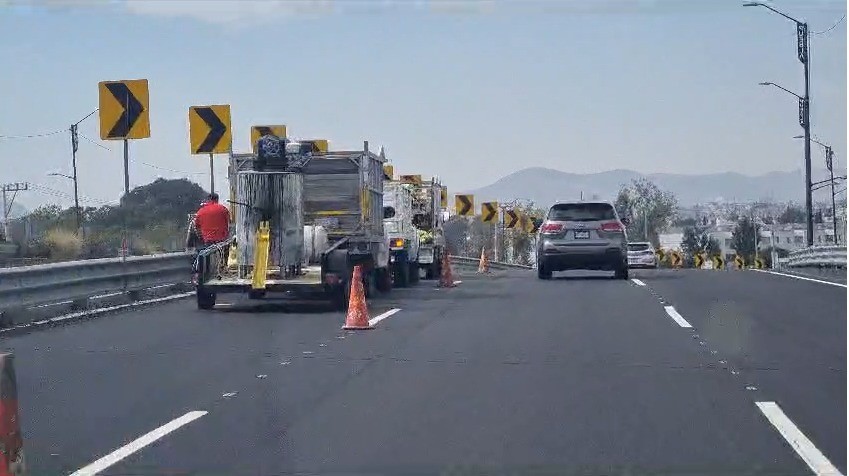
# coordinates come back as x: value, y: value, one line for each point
x: 469, y: 91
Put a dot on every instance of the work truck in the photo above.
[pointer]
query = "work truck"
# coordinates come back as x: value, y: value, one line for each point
x: 402, y: 234
x: 303, y: 219
x: 429, y: 217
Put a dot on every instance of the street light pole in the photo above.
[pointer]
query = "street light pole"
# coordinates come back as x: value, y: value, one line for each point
x: 804, y: 109
x: 77, y: 212
x: 829, y: 164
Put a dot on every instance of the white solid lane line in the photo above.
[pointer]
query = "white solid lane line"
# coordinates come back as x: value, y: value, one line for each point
x: 803, y: 278
x: 137, y: 444
x: 676, y: 317
x: 374, y: 320
x: 809, y: 453
x: 637, y: 282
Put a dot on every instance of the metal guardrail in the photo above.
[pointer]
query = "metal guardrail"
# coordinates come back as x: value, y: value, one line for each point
x: 36, y: 285
x: 817, y: 256
x: 78, y: 281
x: 467, y: 262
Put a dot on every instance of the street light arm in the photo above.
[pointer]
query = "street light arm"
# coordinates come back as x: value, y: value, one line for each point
x: 759, y: 4
x: 769, y: 83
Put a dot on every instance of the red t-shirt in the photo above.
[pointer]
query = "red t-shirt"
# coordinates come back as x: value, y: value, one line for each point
x: 213, y: 222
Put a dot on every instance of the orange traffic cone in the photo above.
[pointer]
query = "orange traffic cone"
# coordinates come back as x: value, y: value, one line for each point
x: 357, y: 318
x: 483, y: 267
x: 446, y: 280
x: 11, y: 441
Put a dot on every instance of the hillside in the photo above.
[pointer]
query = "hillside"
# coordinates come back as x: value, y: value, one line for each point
x: 545, y: 186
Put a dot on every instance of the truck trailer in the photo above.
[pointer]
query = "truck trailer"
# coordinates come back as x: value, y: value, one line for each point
x: 303, y: 219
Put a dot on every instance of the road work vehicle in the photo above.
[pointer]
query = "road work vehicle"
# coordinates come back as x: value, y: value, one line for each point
x: 429, y: 217
x: 303, y: 219
x: 403, y: 235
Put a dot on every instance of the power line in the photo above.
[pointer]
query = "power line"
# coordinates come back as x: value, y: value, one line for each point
x: 144, y: 163
x: 836, y: 24
x: 94, y: 142
x: 33, y: 136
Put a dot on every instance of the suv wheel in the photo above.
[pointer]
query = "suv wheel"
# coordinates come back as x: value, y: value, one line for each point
x: 621, y: 273
x: 543, y: 271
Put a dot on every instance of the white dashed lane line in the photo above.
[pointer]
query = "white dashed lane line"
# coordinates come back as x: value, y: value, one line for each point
x: 137, y: 444
x: 678, y: 318
x: 374, y: 320
x: 800, y: 443
x: 637, y: 282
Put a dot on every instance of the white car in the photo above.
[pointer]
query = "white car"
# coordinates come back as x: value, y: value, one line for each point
x: 641, y: 255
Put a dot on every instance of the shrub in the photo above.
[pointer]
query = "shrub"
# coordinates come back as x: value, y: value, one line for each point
x: 63, y: 244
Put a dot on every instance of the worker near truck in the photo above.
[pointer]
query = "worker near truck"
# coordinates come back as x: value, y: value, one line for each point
x: 213, y: 222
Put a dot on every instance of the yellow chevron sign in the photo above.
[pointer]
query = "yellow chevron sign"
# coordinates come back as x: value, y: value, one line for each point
x: 464, y: 205
x: 489, y: 212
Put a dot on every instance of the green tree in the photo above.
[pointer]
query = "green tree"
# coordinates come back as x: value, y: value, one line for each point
x: 697, y: 239
x: 792, y: 214
x: 649, y: 209
x: 743, y: 238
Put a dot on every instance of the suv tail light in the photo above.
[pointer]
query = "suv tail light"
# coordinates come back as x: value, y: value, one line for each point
x: 551, y: 228
x: 612, y: 226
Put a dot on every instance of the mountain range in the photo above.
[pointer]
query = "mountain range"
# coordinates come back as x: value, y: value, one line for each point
x: 545, y: 186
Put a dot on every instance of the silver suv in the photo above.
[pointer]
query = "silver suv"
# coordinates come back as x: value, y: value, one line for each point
x: 582, y: 235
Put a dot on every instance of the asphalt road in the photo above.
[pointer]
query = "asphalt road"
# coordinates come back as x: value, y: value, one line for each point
x: 502, y: 375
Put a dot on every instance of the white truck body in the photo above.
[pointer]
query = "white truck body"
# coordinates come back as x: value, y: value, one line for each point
x: 400, y: 227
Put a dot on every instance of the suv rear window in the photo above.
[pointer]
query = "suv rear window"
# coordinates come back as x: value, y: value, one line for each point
x: 638, y: 246
x: 581, y: 212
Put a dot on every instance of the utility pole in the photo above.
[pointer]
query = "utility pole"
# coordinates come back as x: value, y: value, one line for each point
x: 829, y: 163
x: 7, y: 203
x: 74, y: 147
x: 802, y: 51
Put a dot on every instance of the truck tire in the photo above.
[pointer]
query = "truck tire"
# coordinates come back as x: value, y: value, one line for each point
x: 384, y: 280
x: 340, y: 296
x: 429, y: 271
x: 205, y: 299
x: 414, y: 273
x: 400, y: 270
x: 370, y: 284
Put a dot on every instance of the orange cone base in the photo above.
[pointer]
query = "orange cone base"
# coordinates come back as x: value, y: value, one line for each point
x: 358, y: 328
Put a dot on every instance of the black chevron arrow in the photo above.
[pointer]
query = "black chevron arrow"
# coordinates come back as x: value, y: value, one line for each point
x: 466, y: 205
x: 490, y: 212
x: 132, y: 109
x: 217, y: 129
x: 513, y: 219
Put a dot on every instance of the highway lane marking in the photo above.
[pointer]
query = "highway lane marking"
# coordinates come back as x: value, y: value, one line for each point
x: 803, y: 278
x: 800, y: 443
x: 678, y: 318
x: 137, y: 444
x: 457, y: 282
x: 374, y: 320
x: 637, y: 282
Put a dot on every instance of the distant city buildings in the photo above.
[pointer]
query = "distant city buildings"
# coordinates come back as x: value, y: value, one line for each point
x: 720, y: 219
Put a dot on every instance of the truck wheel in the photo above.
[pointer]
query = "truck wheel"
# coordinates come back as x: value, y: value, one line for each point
x: 370, y: 284
x: 429, y: 272
x: 384, y: 280
x: 205, y: 299
x: 414, y: 273
x: 401, y: 278
x: 341, y: 296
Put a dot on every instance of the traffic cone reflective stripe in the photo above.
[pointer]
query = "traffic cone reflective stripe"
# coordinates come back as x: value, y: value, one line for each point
x: 446, y: 280
x: 357, y: 317
x: 11, y: 441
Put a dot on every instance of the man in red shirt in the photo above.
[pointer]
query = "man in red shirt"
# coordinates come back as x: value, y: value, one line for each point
x: 213, y: 222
